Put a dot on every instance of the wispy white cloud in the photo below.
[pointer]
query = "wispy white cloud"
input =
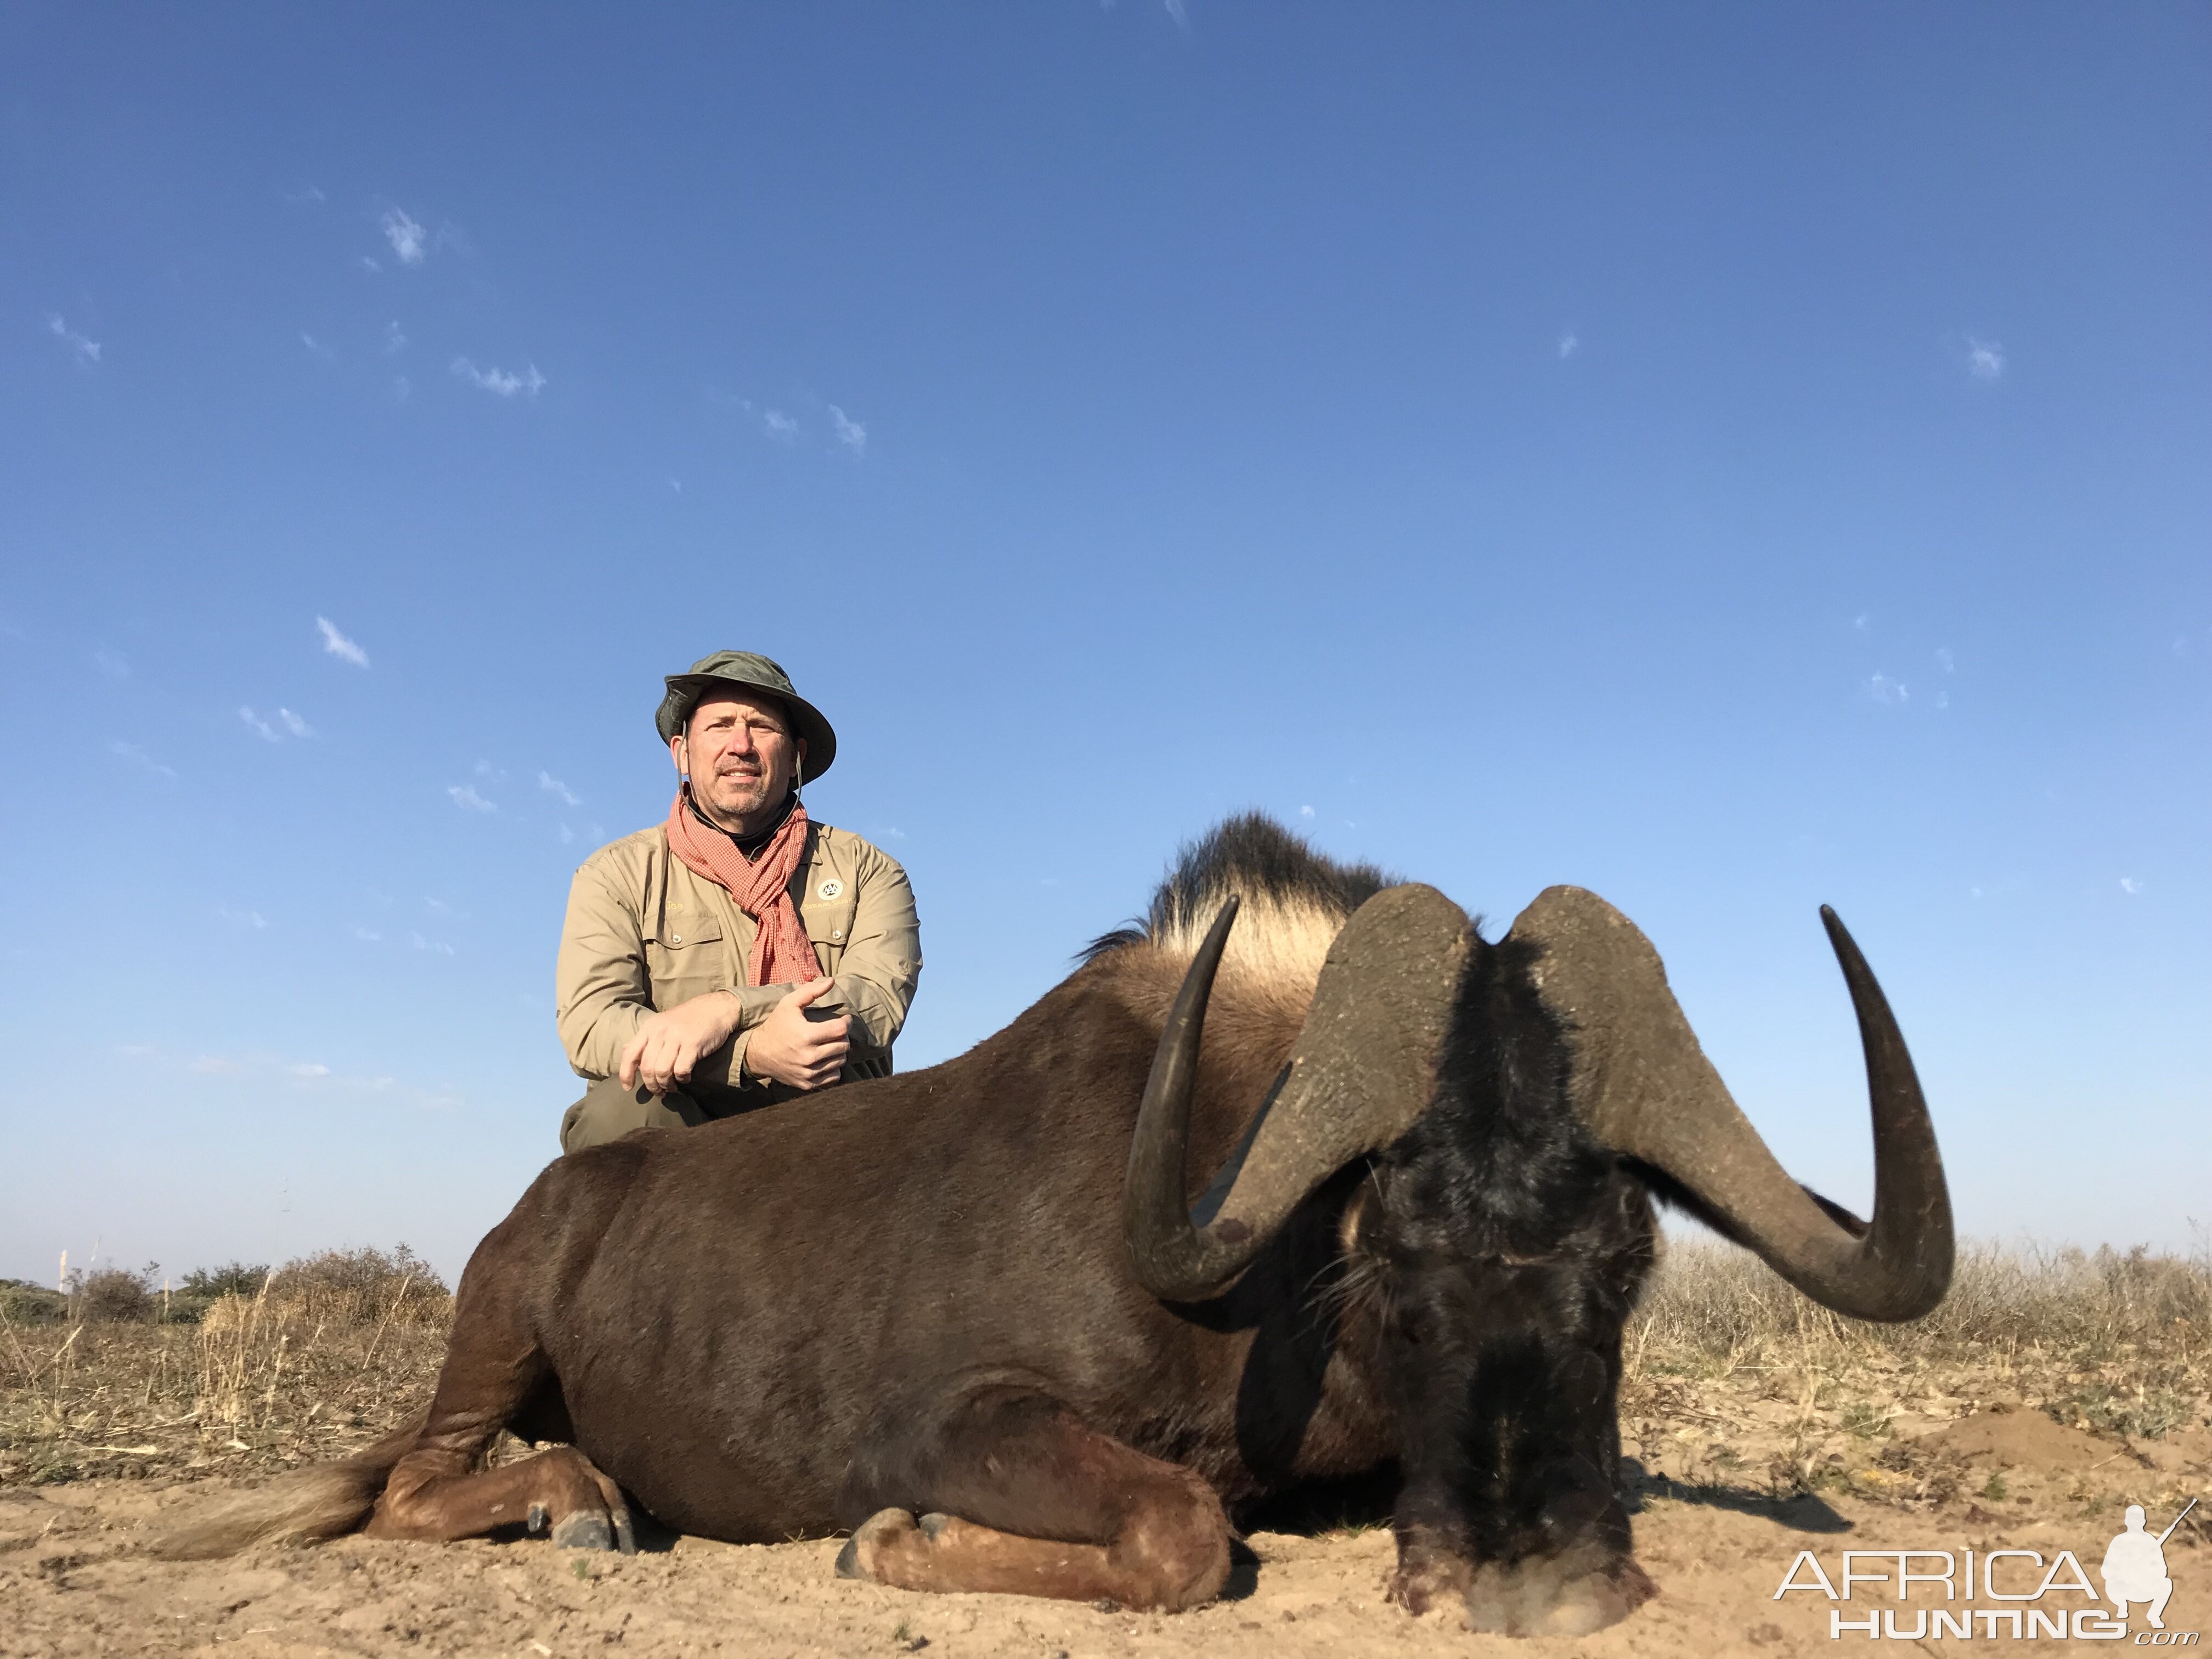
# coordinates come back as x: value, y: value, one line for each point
x: 1986, y: 359
x: 436, y: 947
x: 315, y: 345
x: 394, y: 338
x: 553, y: 786
x: 850, y: 432
x: 1179, y: 10
x: 1884, y: 689
x: 408, y: 239
x: 311, y: 196
x: 132, y: 752
x: 1569, y: 344
x: 1945, y: 660
x: 267, y: 730
x: 88, y: 351
x: 367, y: 934
x: 242, y: 918
x: 371, y: 266
x: 2129, y: 884
x: 338, y: 645
x: 260, y: 1068
x: 1305, y: 811
x: 401, y: 388
x: 465, y: 797
x: 499, y: 381
x: 779, y: 424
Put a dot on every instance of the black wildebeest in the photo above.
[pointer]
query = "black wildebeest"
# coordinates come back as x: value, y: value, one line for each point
x: 1001, y: 1319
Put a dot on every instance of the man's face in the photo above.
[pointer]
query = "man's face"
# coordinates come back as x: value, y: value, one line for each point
x: 740, y: 755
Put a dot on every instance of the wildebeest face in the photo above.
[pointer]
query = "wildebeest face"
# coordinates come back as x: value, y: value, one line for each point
x: 1505, y: 1371
x: 1508, y: 1227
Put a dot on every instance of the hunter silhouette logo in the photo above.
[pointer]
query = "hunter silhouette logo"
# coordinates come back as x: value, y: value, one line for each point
x: 2028, y: 1592
x: 2135, y: 1566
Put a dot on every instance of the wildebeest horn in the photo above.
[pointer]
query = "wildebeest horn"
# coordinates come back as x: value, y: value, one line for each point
x: 1644, y: 1087
x: 1362, y: 1069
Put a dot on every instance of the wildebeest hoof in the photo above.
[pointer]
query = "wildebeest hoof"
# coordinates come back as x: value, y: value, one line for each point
x: 536, y: 1520
x: 1426, y: 1581
x: 1572, y: 1597
x: 932, y: 1523
x: 857, y: 1558
x: 625, y: 1534
x: 584, y: 1532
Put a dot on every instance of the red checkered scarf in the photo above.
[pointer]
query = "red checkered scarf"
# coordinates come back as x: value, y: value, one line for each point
x: 783, y: 954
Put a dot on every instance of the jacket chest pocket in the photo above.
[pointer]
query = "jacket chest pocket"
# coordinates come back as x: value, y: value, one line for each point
x: 828, y: 922
x: 687, y: 959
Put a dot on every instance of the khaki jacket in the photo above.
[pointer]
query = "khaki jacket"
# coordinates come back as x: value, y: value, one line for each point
x: 644, y: 933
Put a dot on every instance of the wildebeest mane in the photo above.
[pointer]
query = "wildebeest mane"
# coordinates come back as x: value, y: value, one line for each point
x: 1287, y: 889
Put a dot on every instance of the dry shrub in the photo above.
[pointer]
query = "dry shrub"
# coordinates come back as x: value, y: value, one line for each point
x: 360, y: 1287
x: 23, y: 1303
x: 114, y: 1297
x: 232, y: 1278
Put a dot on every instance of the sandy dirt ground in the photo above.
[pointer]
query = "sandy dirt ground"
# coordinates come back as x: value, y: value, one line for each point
x: 74, y: 1578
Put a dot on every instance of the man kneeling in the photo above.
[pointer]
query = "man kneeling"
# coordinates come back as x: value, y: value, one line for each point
x: 739, y: 954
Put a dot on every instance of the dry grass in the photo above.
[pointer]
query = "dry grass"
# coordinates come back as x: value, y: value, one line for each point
x: 1713, y: 1299
x: 2111, y: 1342
x: 327, y: 1354
x: 1732, y: 1377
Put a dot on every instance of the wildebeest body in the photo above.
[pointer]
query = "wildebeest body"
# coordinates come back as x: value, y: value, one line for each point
x: 985, y: 1316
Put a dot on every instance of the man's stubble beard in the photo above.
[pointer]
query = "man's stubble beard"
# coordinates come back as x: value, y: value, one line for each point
x: 753, y: 802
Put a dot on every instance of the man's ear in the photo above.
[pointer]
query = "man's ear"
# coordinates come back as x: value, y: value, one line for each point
x: 677, y: 747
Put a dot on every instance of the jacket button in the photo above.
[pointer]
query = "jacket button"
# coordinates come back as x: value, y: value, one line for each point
x: 675, y: 938
x: 836, y: 932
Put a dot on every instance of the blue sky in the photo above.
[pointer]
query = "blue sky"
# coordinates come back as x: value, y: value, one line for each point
x: 1733, y: 458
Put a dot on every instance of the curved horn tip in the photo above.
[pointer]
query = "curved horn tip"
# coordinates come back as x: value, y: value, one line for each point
x: 1841, y: 942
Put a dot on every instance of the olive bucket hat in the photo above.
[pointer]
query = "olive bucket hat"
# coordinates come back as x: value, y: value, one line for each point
x: 747, y: 671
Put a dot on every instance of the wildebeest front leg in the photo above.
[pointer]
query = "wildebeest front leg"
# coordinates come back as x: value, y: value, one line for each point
x: 1015, y: 1493
x: 494, y: 1367
x: 433, y: 1495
